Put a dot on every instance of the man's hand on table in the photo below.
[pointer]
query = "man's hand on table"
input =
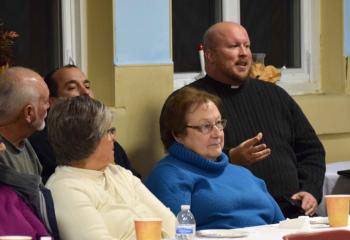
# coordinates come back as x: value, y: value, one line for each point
x: 308, y: 202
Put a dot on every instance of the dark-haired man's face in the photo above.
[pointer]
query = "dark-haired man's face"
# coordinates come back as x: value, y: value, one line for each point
x: 72, y: 82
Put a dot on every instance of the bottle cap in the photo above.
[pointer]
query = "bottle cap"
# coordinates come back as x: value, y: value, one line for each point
x: 185, y: 207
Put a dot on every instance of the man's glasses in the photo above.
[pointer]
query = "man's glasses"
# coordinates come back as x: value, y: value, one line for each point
x: 208, y: 127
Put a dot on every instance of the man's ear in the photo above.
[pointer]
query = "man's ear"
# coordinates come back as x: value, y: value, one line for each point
x: 209, y: 55
x: 52, y: 100
x: 29, y: 113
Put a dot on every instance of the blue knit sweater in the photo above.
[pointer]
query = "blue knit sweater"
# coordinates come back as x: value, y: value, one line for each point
x: 221, y: 195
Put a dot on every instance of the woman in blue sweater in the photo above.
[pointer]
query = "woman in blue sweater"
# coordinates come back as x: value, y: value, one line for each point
x: 198, y: 173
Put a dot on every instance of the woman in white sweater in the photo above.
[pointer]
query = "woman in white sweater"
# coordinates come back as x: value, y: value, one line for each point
x: 93, y: 198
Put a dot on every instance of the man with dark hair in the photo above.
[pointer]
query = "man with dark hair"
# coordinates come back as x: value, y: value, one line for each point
x: 292, y: 159
x: 68, y: 81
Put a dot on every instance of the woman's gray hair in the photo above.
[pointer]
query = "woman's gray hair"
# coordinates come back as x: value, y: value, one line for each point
x: 76, y: 125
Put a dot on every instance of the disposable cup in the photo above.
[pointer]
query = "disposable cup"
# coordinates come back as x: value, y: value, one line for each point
x: 259, y: 58
x: 15, y: 238
x: 337, y: 210
x: 148, y: 228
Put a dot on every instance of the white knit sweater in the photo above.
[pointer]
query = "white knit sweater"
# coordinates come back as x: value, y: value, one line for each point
x: 102, y: 205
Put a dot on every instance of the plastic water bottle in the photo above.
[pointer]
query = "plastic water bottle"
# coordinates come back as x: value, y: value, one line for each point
x: 185, y: 224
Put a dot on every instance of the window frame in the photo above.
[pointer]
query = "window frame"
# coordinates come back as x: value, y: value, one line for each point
x: 74, y: 44
x: 296, y: 81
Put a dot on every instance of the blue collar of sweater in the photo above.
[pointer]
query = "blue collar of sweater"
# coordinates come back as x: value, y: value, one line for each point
x: 180, y: 152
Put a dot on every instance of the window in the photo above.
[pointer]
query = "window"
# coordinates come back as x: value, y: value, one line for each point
x: 74, y: 33
x: 274, y: 29
x: 52, y: 33
x: 188, y: 30
x: 286, y: 30
x: 38, y: 24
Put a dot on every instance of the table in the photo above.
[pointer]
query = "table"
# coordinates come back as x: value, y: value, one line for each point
x: 333, y: 183
x: 271, y: 232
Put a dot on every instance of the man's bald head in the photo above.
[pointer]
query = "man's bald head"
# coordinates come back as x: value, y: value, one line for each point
x: 217, y: 31
x: 18, y: 87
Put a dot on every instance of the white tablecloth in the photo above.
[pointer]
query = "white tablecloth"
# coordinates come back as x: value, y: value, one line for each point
x: 333, y: 183
x: 272, y: 232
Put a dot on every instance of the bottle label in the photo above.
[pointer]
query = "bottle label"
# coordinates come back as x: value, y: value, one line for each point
x: 184, y: 230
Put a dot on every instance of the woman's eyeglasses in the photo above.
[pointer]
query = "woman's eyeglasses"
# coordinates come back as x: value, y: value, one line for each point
x: 208, y: 127
x: 111, y: 131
